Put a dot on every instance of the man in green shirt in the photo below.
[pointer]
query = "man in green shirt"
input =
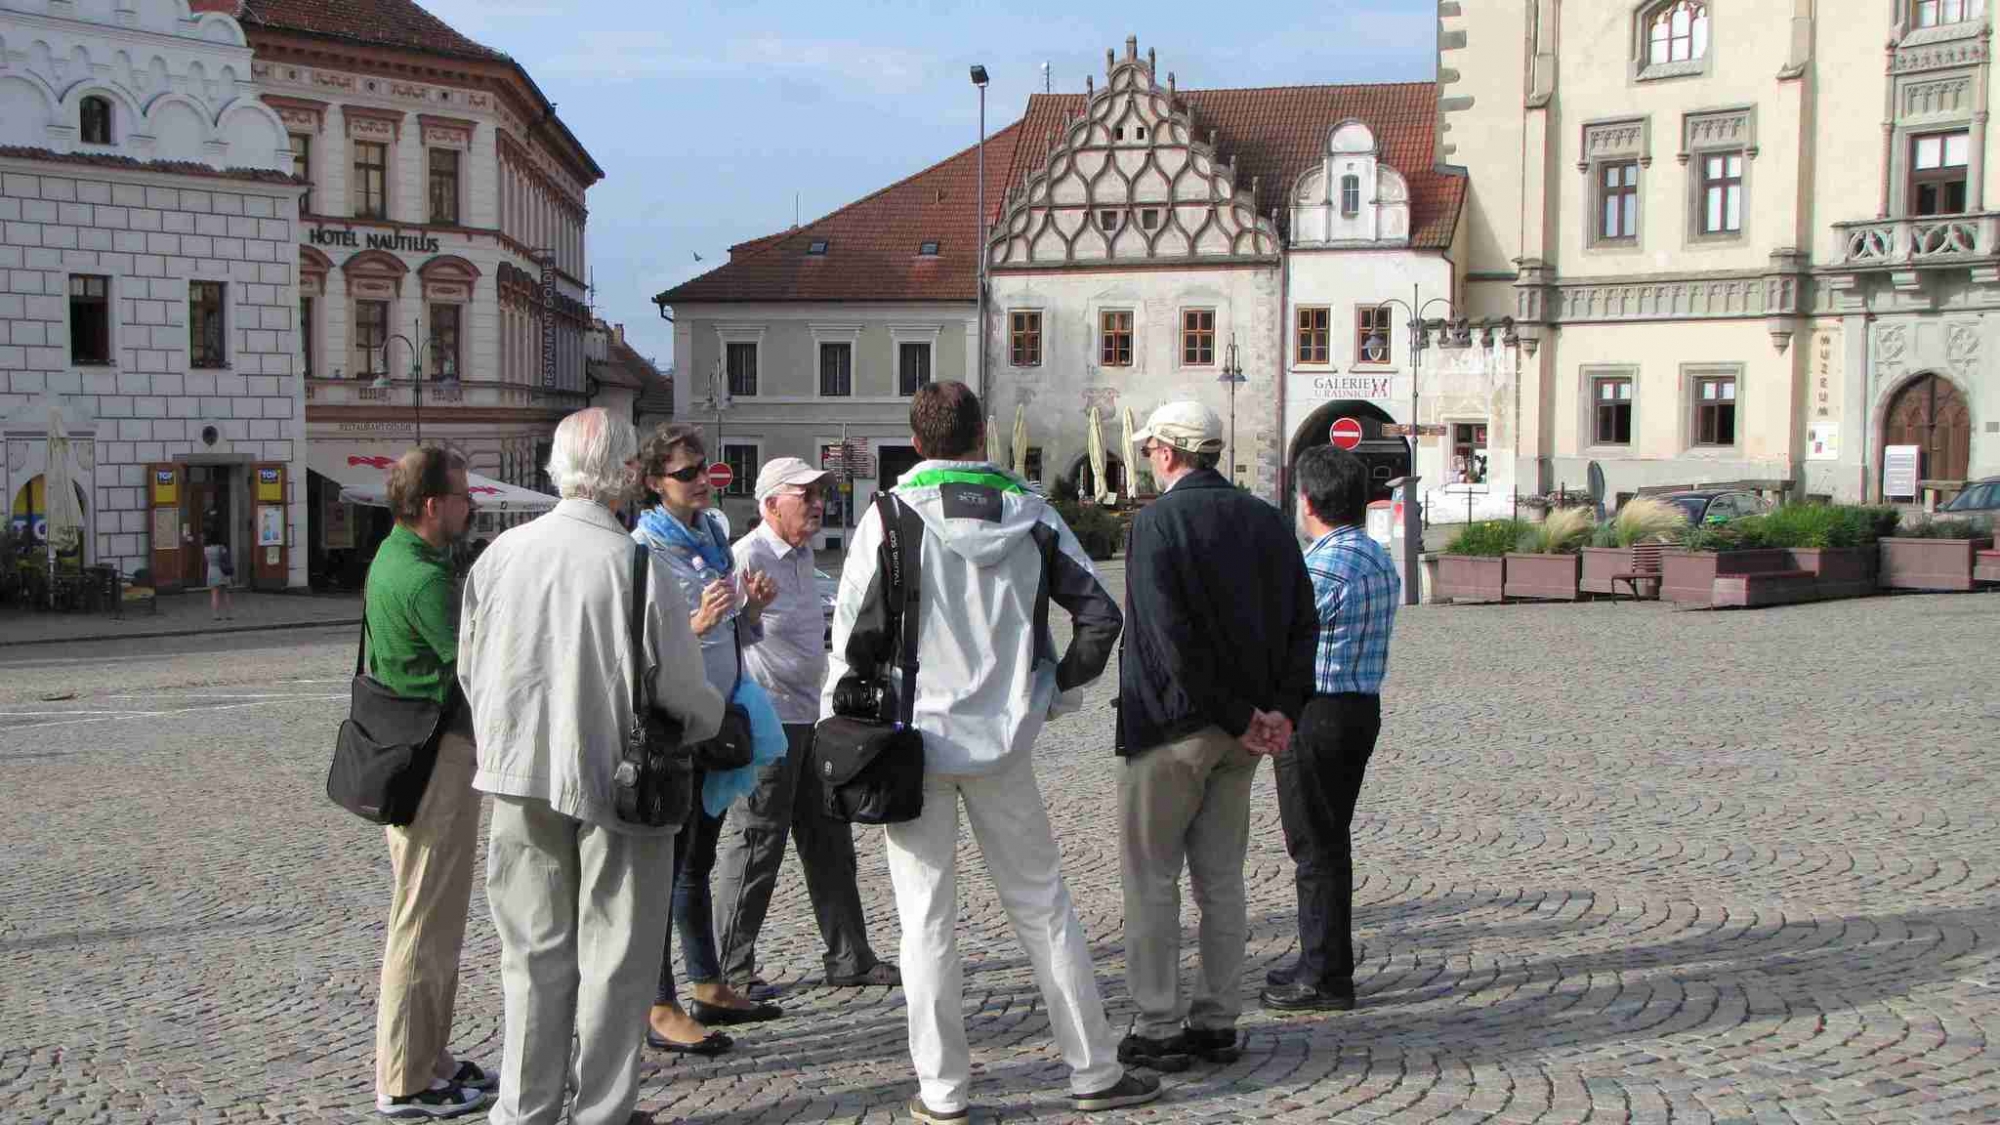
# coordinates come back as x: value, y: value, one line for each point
x: 413, y: 650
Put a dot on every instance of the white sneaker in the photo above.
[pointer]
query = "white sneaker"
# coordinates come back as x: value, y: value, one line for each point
x: 443, y: 1099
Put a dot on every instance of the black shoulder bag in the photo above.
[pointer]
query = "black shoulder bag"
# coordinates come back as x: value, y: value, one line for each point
x: 384, y: 753
x: 654, y: 782
x: 871, y: 766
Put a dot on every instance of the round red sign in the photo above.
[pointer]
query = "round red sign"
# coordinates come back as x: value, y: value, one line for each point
x: 720, y: 475
x: 1345, y: 433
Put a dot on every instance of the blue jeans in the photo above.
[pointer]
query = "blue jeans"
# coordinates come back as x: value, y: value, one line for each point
x: 693, y: 908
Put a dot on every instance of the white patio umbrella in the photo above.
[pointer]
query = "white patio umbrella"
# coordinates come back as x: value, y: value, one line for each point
x: 993, y: 441
x: 1021, y: 440
x: 1128, y: 455
x: 65, y: 521
x: 1095, y: 436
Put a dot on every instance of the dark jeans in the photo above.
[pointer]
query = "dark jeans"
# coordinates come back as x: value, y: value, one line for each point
x: 785, y: 803
x: 1319, y: 779
x: 693, y: 910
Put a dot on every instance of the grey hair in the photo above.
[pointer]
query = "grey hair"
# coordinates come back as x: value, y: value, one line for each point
x: 588, y: 460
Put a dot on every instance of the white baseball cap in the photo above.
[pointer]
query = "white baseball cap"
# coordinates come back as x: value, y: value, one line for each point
x: 1187, y: 426
x: 784, y: 472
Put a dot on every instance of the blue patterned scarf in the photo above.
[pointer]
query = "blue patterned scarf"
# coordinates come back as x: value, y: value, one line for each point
x: 660, y: 524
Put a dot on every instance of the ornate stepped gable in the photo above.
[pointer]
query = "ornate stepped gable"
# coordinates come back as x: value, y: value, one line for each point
x: 1132, y: 157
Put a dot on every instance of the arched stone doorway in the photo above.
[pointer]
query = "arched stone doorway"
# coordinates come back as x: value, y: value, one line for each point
x: 1386, y: 457
x: 1930, y: 413
x: 1080, y: 475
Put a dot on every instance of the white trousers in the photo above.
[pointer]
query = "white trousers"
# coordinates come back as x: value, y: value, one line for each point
x: 1012, y: 829
x: 582, y: 915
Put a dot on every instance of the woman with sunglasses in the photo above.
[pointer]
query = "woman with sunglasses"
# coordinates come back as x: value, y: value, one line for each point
x: 687, y: 535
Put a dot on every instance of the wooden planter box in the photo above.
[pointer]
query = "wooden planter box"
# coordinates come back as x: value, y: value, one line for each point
x: 1545, y: 577
x: 1472, y: 578
x: 1930, y: 564
x: 1688, y: 577
x: 1839, y: 572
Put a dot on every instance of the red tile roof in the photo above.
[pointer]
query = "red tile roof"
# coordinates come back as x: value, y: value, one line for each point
x: 1275, y: 133
x: 385, y: 23
x: 872, y: 243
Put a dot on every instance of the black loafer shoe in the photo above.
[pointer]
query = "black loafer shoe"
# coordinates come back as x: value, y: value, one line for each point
x: 1282, y: 974
x: 1296, y: 997
x: 712, y: 1044
x: 1212, y: 1044
x: 716, y: 1015
x: 1169, y: 1055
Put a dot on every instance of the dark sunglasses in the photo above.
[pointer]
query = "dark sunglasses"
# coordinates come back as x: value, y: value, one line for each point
x: 687, y: 475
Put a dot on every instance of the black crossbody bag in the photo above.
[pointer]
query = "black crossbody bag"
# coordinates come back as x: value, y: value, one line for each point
x: 871, y: 766
x: 654, y: 782
x: 386, y: 749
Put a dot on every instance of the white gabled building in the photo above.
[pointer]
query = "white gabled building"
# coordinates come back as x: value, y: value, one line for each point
x: 147, y: 290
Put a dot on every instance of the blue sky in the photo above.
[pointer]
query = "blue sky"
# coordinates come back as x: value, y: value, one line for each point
x: 707, y: 119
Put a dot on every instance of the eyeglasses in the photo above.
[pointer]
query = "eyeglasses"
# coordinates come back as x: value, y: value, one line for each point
x: 686, y: 475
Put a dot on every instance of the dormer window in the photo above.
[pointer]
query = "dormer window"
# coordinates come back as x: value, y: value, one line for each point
x: 816, y: 247
x: 927, y: 249
x: 1677, y: 32
x: 95, y: 121
x: 1937, y: 13
x: 1350, y: 196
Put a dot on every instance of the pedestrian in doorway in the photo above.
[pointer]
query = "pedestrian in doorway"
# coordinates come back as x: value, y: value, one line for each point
x: 992, y: 558
x: 219, y: 571
x: 1355, y: 591
x: 689, y: 539
x: 412, y: 628
x: 1216, y: 663
x: 788, y: 659
x: 576, y: 893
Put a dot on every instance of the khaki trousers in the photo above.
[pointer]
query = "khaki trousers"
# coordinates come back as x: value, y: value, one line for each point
x: 1185, y: 804
x: 432, y: 861
x: 582, y: 914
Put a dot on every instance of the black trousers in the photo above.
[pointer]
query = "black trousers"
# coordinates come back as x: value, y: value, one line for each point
x: 1319, y: 780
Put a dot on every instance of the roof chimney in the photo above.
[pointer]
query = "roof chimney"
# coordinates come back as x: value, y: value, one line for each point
x: 1151, y: 62
x: 1110, y: 61
x: 618, y: 334
x: 1131, y: 48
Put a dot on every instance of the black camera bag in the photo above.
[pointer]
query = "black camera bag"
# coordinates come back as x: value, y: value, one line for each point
x: 871, y: 770
x: 654, y: 782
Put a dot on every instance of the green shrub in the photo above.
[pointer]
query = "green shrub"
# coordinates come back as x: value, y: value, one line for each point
x: 1096, y: 529
x: 1738, y: 535
x: 1490, y: 538
x: 1604, y: 535
x: 1947, y: 528
x: 1801, y: 526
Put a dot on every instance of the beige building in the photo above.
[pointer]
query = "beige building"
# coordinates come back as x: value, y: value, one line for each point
x: 1741, y: 241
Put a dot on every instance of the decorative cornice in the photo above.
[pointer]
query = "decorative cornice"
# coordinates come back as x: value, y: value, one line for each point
x: 1623, y: 138
x: 1708, y: 130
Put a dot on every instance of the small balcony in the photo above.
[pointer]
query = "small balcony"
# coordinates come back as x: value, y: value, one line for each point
x: 1923, y: 242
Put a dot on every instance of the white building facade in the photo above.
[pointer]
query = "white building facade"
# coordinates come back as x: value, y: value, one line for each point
x: 146, y: 234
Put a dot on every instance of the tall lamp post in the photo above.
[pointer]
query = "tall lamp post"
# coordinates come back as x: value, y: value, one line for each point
x: 1232, y: 374
x: 448, y: 377
x: 979, y: 80
x: 1378, y: 349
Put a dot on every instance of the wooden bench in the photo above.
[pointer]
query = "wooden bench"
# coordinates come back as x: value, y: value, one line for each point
x: 1645, y: 568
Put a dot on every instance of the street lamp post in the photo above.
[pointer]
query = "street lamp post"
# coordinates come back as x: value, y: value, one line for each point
x: 1232, y: 374
x: 979, y: 80
x: 448, y: 377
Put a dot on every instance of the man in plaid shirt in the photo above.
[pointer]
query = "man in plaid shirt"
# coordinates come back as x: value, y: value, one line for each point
x: 1319, y: 775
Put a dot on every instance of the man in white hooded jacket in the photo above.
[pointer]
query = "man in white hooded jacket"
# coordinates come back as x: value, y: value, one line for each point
x: 994, y: 555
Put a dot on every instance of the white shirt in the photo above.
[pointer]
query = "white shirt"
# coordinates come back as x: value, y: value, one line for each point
x: 546, y: 663
x: 789, y: 660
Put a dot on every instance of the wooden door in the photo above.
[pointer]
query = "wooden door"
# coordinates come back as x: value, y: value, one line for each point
x: 1930, y: 414
x: 168, y: 485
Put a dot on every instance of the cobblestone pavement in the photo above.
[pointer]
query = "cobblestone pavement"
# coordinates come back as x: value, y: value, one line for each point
x: 1616, y: 863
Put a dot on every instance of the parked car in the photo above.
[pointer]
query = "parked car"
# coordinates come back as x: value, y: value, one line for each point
x: 1719, y: 506
x: 1979, y: 496
x: 829, y: 591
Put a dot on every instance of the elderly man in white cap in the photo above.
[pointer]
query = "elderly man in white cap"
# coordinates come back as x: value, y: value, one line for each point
x: 1215, y: 664
x: 789, y: 662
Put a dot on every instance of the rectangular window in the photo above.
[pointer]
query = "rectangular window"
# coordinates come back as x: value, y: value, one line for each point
x: 1315, y: 326
x: 1936, y: 13
x: 1108, y: 219
x: 306, y: 340
x: 1618, y: 210
x: 1722, y: 193
x: 444, y: 342
x: 1149, y: 218
x: 1198, y: 337
x: 1034, y: 463
x: 1715, y: 410
x: 1612, y: 402
x: 1468, y: 453
x: 371, y: 332
x: 1350, y: 196
x: 89, y: 320
x: 1115, y: 338
x: 371, y: 180
x: 1371, y: 335
x: 742, y: 460
x: 302, y: 168
x: 205, y: 327
x: 444, y: 187
x: 836, y: 370
x: 1938, y: 173
x: 741, y: 362
x: 913, y: 366
x: 1024, y: 332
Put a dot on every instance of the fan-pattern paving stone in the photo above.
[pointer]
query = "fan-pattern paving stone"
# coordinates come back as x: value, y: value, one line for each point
x: 1615, y: 864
